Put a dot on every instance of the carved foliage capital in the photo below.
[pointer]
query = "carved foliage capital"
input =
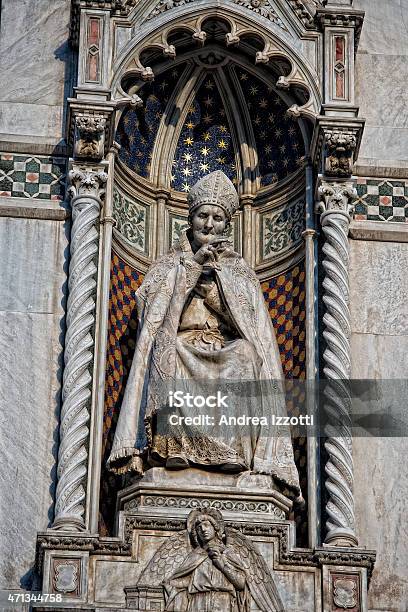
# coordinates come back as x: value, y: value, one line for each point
x: 336, y: 197
x: 87, y: 183
x: 89, y: 136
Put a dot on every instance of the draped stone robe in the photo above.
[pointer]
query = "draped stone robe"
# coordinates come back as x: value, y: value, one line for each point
x: 206, y: 325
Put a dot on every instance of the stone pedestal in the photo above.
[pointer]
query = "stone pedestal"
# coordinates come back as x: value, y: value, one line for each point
x: 163, y: 493
x: 109, y: 573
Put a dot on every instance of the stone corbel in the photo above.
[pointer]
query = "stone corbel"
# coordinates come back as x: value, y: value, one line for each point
x: 89, y: 136
x: 91, y: 127
x: 335, y: 146
x: 340, y: 152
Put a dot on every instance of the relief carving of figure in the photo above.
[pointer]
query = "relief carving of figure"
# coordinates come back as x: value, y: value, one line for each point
x: 202, y: 315
x: 210, y: 568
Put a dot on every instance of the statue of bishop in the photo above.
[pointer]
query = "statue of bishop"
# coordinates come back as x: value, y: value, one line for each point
x: 202, y: 316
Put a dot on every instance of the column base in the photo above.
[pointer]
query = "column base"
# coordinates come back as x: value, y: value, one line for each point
x: 341, y: 537
x: 68, y: 524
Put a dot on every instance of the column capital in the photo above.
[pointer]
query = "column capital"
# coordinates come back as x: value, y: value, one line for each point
x: 87, y: 182
x: 336, y: 197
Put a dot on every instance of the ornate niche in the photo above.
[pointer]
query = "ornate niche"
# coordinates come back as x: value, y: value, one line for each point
x: 184, y: 90
x: 209, y: 107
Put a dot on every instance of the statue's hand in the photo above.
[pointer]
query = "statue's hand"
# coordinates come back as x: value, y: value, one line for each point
x: 209, y: 252
x: 215, y: 554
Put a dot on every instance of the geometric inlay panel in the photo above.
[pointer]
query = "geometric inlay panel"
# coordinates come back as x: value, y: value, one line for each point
x: 26, y: 176
x: 381, y: 200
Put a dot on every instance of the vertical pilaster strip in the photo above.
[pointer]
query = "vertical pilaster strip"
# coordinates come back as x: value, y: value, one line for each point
x: 248, y: 251
x: 313, y: 483
x: 335, y: 207
x: 161, y: 224
x: 87, y: 188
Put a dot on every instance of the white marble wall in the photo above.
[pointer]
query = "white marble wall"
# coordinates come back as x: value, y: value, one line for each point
x: 32, y: 286
x: 382, y: 82
x: 36, y: 63
x: 379, y: 310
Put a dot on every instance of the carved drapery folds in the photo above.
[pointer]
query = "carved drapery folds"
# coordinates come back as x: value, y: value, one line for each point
x: 335, y: 208
x: 86, y: 191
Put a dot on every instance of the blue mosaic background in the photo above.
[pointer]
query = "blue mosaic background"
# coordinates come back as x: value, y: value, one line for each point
x: 137, y: 128
x: 278, y: 137
x: 205, y: 142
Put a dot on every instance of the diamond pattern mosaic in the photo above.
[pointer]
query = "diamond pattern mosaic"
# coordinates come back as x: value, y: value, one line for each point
x: 381, y: 200
x: 285, y: 297
x: 137, y: 128
x: 32, y: 177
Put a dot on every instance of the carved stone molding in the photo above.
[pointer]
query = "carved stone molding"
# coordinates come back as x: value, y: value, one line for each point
x: 338, y: 17
x: 261, y: 7
x: 303, y: 13
x: 86, y: 191
x: 154, y: 501
x: 335, y: 206
x: 122, y: 546
x: 89, y: 136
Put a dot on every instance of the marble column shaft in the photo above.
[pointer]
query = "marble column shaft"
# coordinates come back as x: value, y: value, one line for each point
x: 335, y: 219
x: 86, y: 191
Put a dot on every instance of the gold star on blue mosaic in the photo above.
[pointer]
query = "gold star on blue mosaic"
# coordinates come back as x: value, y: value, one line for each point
x: 137, y: 129
x: 279, y: 139
x: 205, y: 142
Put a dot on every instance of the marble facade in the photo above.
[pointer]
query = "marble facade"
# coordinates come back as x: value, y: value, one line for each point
x: 40, y: 46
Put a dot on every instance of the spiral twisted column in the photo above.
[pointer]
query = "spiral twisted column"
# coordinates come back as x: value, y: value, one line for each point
x: 86, y: 191
x: 335, y: 211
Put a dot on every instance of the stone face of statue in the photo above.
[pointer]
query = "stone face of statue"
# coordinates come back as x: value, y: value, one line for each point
x: 208, y: 224
x: 207, y: 221
x: 205, y: 531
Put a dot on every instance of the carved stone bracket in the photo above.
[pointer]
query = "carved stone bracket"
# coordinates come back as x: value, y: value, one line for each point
x: 340, y: 149
x: 92, y: 125
x: 335, y: 207
x: 89, y: 136
x: 87, y: 189
x: 335, y: 145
